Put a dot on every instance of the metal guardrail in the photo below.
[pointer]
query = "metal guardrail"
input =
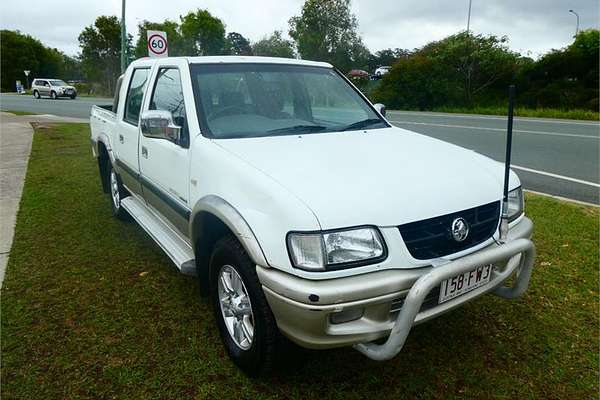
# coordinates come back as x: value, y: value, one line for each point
x: 520, y: 254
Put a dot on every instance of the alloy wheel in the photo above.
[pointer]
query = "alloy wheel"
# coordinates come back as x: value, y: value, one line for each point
x: 114, y: 189
x: 236, y: 307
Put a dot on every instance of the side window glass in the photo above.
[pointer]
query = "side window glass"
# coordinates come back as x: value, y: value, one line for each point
x: 135, y: 94
x: 168, y: 96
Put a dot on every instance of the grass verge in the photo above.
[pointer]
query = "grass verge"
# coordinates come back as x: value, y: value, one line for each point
x: 19, y: 112
x: 91, y: 308
x: 526, y: 112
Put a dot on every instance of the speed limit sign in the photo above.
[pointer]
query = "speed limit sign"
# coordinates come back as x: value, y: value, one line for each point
x: 157, y: 44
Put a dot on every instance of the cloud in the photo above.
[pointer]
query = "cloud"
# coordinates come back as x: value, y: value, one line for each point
x: 534, y: 26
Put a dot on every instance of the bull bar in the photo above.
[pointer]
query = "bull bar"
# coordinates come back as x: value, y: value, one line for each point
x: 520, y: 254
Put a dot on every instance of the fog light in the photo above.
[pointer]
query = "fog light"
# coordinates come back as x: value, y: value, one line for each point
x: 346, y: 315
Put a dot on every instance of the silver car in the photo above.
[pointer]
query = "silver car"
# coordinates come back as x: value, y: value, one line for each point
x: 53, y: 88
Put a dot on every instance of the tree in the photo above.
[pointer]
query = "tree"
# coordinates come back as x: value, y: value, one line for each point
x: 71, y: 69
x: 274, y: 46
x: 326, y: 30
x: 237, y: 45
x: 459, y: 70
x: 100, y: 52
x: 481, y: 61
x: 203, y: 34
x: 174, y: 38
x: 22, y: 52
x: 418, y: 82
x: 566, y: 78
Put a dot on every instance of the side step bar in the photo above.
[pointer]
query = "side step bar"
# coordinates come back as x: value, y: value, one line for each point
x: 177, y: 248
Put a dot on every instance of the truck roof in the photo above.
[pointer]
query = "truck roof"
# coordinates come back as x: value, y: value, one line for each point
x: 235, y: 59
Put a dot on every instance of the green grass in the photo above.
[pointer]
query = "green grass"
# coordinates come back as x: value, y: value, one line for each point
x: 19, y: 112
x: 91, y: 308
x: 526, y: 112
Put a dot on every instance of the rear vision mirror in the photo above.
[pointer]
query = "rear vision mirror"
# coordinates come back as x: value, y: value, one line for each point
x: 158, y: 124
x: 380, y: 108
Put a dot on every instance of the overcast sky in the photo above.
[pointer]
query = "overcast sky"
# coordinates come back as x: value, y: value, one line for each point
x: 532, y: 26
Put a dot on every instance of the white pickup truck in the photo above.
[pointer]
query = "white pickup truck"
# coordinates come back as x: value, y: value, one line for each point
x: 304, y: 213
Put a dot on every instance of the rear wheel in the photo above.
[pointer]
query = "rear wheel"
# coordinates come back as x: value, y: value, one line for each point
x: 245, y: 321
x: 73, y: 96
x: 117, y: 193
x: 36, y: 94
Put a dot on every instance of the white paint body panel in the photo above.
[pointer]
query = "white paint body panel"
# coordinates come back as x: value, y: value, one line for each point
x: 383, y: 177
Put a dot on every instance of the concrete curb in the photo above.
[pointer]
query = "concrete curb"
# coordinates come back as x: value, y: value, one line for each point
x: 15, y: 147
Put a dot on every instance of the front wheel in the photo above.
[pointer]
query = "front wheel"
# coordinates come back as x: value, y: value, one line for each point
x: 53, y: 95
x: 73, y: 96
x: 245, y: 321
x: 117, y: 193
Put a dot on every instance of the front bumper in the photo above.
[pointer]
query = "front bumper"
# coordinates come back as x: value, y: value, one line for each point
x: 67, y: 94
x: 303, y: 308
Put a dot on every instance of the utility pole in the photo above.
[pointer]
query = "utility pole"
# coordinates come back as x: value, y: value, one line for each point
x: 469, y: 18
x: 468, y: 65
x: 577, y: 26
x: 123, y: 39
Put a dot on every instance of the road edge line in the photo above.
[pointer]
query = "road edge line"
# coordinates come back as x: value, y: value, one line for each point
x: 582, y: 203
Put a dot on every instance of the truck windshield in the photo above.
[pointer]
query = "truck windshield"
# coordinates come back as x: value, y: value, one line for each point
x: 253, y: 100
x: 58, y: 83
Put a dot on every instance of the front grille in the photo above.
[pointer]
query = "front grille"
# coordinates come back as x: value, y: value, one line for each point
x: 432, y: 238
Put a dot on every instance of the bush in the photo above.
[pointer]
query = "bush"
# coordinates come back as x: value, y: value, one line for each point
x: 468, y: 71
x: 417, y: 82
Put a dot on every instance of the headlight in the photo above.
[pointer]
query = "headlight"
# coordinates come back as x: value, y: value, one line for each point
x: 335, y: 249
x: 515, y: 204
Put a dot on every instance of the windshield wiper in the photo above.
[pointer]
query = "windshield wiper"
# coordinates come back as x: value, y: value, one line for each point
x: 362, y: 124
x: 298, y: 129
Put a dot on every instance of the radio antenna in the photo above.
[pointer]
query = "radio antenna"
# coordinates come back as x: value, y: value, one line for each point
x: 509, y: 133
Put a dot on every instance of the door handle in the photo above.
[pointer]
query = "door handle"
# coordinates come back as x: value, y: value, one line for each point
x: 121, y: 139
x: 144, y: 152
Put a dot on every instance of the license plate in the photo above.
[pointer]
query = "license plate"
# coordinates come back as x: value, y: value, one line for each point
x: 463, y: 283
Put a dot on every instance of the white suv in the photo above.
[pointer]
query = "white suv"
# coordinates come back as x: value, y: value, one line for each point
x: 53, y: 88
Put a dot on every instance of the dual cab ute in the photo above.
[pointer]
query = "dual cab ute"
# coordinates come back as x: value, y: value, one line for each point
x: 304, y: 213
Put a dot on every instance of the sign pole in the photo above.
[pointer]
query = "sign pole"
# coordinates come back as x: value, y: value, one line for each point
x: 123, y: 39
x: 26, y: 72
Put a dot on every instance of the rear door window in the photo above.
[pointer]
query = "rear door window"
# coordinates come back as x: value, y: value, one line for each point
x: 135, y: 95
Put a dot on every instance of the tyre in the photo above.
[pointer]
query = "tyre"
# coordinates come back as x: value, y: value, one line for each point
x: 245, y: 321
x: 53, y: 95
x: 73, y: 96
x: 36, y: 94
x: 117, y: 193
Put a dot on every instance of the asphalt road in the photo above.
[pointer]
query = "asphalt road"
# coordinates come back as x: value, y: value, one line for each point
x: 558, y: 157
x: 79, y: 108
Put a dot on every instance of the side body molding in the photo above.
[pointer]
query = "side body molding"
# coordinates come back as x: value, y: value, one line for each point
x: 235, y: 222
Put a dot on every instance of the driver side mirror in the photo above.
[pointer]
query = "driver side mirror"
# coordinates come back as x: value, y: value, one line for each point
x: 380, y: 108
x: 158, y: 124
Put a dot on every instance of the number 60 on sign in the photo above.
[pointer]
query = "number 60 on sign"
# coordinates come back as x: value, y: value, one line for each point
x: 157, y: 44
